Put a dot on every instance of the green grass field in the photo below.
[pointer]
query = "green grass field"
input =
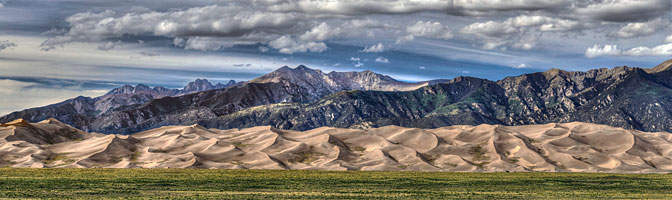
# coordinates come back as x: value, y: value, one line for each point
x: 270, y: 184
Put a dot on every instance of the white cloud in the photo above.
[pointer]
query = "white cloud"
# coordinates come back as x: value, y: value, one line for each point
x: 382, y: 60
x: 639, y: 29
x: 519, y: 32
x: 109, y: 45
x: 286, y: 44
x: 355, y: 59
x: 241, y: 24
x: 523, y: 65
x: 422, y: 67
x: 638, y: 51
x: 430, y: 30
x: 377, y: 48
x: 668, y: 39
x: 405, y: 39
x: 660, y: 50
x: 613, y: 50
x: 6, y: 44
x: 605, y: 50
x: 2, y: 5
x: 263, y: 49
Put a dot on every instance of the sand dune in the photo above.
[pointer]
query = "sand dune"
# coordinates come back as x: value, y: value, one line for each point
x: 563, y: 147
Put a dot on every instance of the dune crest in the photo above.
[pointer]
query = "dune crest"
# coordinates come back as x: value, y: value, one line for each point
x: 561, y: 147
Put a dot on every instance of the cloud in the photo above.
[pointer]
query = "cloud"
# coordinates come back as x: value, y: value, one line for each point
x: 263, y: 49
x: 288, y: 45
x: 382, y: 60
x: 602, y: 50
x: 519, y: 32
x: 149, y: 54
x: 521, y: 66
x: 355, y: 59
x: 6, y: 44
x: 397, y: 7
x: 623, y: 10
x: 613, y: 50
x: 109, y: 45
x: 429, y: 29
x: 640, y: 29
x: 197, y: 24
x: 668, y: 39
x: 660, y: 50
x: 377, y: 48
x: 2, y: 5
x: 356, y: 7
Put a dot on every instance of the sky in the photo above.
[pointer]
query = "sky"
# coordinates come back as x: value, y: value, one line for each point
x: 52, y: 50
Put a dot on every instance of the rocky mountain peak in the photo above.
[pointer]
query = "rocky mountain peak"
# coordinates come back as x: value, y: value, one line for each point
x: 142, y: 87
x: 198, y: 85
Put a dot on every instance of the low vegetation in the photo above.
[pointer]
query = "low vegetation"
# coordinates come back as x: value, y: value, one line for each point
x: 297, y: 184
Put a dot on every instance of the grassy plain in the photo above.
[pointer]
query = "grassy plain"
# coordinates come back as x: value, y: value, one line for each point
x: 272, y: 184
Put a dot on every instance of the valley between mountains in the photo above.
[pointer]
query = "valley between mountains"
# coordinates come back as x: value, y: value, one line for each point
x: 555, y: 147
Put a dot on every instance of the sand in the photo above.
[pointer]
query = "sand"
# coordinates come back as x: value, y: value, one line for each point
x: 561, y: 147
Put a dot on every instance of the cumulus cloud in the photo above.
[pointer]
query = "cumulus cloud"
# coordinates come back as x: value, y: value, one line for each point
x: 429, y: 30
x: 613, y: 50
x: 287, y: 44
x: 660, y: 50
x: 109, y: 45
x: 294, y: 26
x: 519, y: 32
x: 377, y: 48
x: 602, y: 50
x: 668, y: 39
x: 453, y: 7
x: 199, y: 23
x: 382, y: 60
x: 6, y: 44
x: 639, y: 29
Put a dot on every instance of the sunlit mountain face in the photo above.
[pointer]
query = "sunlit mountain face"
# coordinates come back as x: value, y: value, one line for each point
x: 59, y: 49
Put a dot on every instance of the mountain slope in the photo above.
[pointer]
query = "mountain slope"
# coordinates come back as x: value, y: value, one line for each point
x: 285, y: 85
x: 302, y: 99
x: 78, y: 111
x: 622, y: 97
x: 555, y: 147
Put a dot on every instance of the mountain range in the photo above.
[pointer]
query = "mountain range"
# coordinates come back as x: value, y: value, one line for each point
x: 78, y: 111
x: 302, y: 99
x: 554, y: 147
